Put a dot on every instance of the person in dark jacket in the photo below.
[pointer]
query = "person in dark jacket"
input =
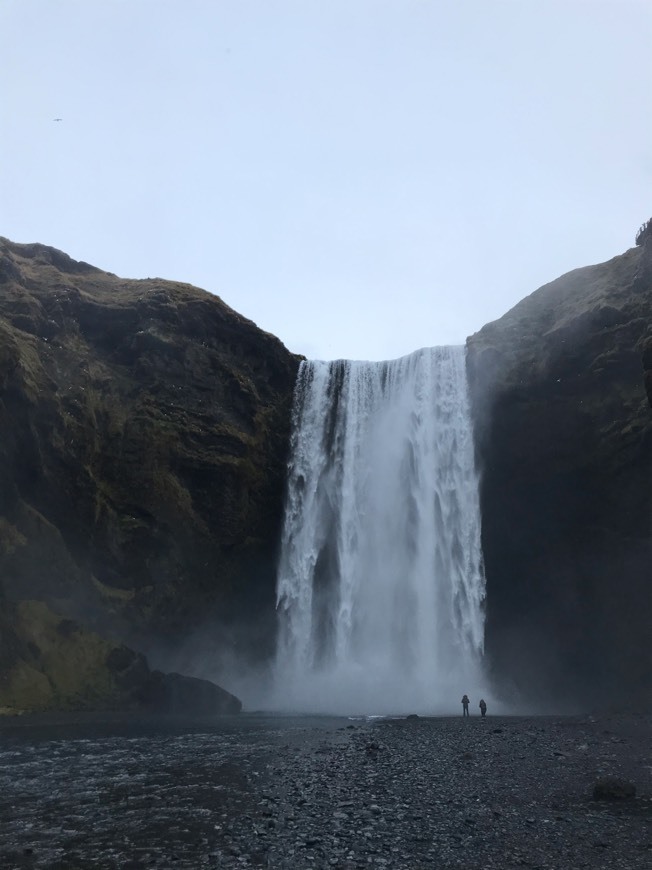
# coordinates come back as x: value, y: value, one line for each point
x: 483, y: 707
x: 465, y: 705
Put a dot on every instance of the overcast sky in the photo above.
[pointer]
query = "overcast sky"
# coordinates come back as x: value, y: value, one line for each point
x: 359, y: 177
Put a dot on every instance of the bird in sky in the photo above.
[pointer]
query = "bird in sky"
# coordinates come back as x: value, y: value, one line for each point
x: 57, y: 119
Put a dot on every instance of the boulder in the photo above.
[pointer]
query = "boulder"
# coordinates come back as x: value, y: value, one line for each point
x: 612, y: 788
x: 188, y: 696
x: 50, y: 663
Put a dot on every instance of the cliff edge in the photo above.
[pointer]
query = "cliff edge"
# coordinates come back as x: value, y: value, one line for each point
x: 564, y: 440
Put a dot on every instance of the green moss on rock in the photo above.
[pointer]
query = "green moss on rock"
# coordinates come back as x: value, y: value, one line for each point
x: 144, y: 428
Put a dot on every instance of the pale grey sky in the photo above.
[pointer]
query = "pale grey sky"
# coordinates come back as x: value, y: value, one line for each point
x: 359, y: 177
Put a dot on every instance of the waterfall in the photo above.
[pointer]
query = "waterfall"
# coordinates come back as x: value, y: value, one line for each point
x: 380, y: 586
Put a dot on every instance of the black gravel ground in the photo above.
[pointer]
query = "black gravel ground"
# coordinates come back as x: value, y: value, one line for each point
x: 298, y: 793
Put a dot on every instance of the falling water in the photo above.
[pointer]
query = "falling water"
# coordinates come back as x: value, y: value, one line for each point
x: 380, y: 586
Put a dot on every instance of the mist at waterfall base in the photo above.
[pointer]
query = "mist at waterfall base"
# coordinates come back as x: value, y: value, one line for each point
x: 380, y: 586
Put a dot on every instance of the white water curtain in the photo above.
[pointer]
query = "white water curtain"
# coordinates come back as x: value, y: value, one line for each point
x: 380, y: 586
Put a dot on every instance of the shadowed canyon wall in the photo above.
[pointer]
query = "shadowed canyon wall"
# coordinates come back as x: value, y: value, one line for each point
x: 564, y: 437
x: 143, y: 436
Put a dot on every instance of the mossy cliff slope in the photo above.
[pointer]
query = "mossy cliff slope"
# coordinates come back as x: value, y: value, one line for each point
x: 564, y: 435
x: 143, y: 436
x: 50, y: 663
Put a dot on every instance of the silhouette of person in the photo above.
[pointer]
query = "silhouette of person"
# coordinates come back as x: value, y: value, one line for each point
x: 483, y: 707
x: 465, y: 705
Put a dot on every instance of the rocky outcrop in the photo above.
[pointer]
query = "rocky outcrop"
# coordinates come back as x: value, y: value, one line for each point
x: 564, y: 438
x: 179, y: 695
x: 143, y: 436
x: 51, y: 663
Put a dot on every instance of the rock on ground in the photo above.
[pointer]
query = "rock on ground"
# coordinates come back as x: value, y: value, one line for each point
x: 428, y: 793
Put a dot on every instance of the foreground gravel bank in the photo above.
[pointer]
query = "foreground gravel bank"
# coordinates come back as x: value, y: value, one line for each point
x: 441, y: 793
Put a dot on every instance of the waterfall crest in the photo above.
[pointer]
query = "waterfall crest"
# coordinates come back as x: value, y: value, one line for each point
x: 380, y: 585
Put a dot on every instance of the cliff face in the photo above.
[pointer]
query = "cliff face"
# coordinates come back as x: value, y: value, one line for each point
x: 144, y: 427
x: 564, y: 437
x: 143, y: 435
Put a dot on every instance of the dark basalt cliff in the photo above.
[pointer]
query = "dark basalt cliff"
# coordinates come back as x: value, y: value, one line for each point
x: 143, y: 436
x: 564, y: 437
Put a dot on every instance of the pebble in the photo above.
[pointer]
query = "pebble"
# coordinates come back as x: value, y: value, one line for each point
x: 393, y: 794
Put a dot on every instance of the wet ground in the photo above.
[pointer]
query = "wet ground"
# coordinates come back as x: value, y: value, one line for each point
x: 257, y: 791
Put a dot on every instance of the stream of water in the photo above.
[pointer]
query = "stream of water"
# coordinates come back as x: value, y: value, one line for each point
x: 380, y: 585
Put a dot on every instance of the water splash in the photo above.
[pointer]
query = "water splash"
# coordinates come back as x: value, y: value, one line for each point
x: 380, y: 586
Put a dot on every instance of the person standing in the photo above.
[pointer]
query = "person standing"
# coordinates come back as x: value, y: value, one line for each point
x: 483, y: 707
x: 465, y: 705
